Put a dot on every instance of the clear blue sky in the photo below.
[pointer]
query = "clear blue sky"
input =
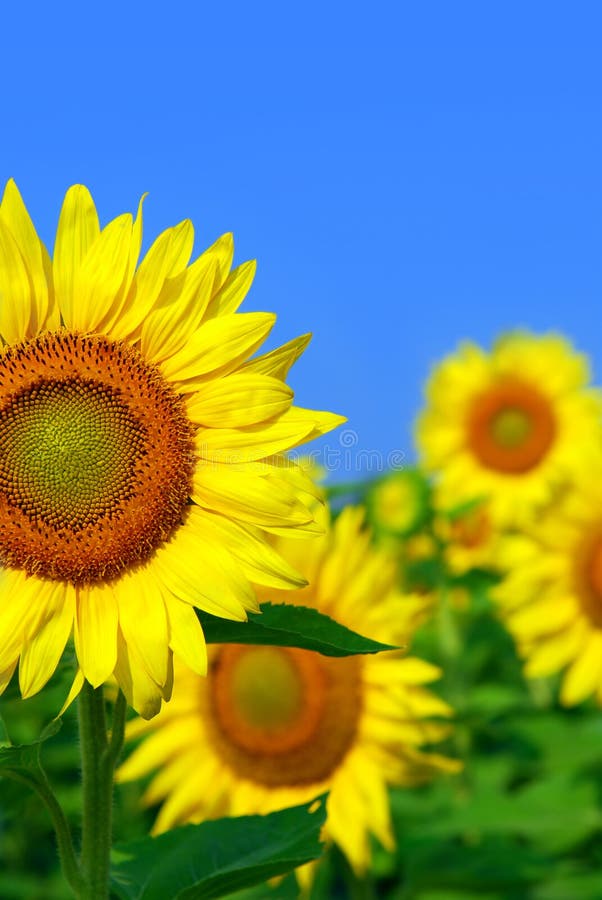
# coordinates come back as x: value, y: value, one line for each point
x: 407, y: 174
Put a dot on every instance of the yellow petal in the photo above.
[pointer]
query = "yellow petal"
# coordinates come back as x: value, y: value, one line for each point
x: 98, y: 282
x: 222, y: 251
x: 585, y: 674
x: 346, y: 823
x: 279, y: 361
x: 232, y: 445
x: 140, y: 690
x: 182, y: 802
x: 186, y: 637
x: 78, y: 683
x: 24, y: 611
x: 153, y: 752
x: 168, y: 327
x: 14, y: 213
x: 202, y: 577
x: 172, y: 776
x: 166, y: 259
x: 77, y: 230
x: 257, y: 500
x: 17, y: 305
x: 233, y: 292
x: 260, y: 563
x: 114, y: 311
x: 239, y: 400
x: 96, y: 633
x: 143, y: 621
x: 555, y: 651
x: 41, y: 654
x: 6, y: 675
x: 220, y: 344
x: 320, y: 422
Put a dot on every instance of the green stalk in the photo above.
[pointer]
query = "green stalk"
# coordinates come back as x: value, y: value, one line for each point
x: 99, y: 757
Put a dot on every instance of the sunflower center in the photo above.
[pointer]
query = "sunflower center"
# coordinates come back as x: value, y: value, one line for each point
x: 589, y: 579
x: 69, y: 450
x: 511, y: 427
x: 282, y: 716
x: 267, y: 690
x: 95, y: 458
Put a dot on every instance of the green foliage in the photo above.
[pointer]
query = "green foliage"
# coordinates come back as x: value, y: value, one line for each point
x: 200, y: 862
x: 24, y: 759
x: 284, y: 625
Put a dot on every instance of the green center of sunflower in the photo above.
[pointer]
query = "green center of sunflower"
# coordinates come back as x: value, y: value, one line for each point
x: 96, y: 458
x: 267, y: 688
x: 69, y: 451
x: 510, y: 427
x: 282, y: 716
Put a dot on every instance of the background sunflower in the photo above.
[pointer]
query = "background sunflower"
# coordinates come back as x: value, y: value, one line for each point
x: 274, y: 727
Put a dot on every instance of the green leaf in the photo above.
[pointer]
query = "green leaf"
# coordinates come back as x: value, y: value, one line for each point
x: 25, y: 758
x: 200, y: 862
x: 286, y: 625
x: 286, y: 889
x: 578, y: 886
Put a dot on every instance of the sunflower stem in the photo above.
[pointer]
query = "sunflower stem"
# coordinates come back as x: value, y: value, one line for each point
x: 117, y: 729
x: 98, y: 765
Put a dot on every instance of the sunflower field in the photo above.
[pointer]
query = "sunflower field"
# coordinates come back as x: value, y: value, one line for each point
x: 225, y: 672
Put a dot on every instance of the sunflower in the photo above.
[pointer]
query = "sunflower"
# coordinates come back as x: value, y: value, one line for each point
x: 551, y: 596
x: 140, y: 453
x: 511, y: 426
x: 272, y: 726
x: 468, y: 538
x: 398, y: 503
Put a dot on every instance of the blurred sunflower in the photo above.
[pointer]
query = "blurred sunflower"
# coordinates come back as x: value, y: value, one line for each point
x: 468, y: 538
x: 398, y: 503
x: 272, y: 726
x: 551, y: 596
x: 139, y: 466
x: 510, y: 426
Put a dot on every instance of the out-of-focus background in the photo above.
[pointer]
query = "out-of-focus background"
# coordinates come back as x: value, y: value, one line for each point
x: 406, y: 174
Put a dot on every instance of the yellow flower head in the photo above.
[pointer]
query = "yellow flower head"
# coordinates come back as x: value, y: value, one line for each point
x: 399, y: 503
x: 139, y: 451
x: 271, y: 727
x: 551, y: 597
x: 510, y: 426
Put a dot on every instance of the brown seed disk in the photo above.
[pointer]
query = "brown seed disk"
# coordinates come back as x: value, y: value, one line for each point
x: 511, y: 396
x: 312, y: 739
x: 96, y: 458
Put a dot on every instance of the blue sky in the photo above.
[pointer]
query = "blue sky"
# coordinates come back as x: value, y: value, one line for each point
x: 406, y: 174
